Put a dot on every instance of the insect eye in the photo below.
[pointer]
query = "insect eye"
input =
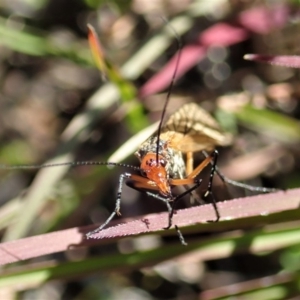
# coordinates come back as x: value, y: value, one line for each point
x: 163, y: 162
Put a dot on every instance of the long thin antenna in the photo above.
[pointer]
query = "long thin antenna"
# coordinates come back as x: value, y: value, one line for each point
x: 70, y: 163
x: 179, y: 43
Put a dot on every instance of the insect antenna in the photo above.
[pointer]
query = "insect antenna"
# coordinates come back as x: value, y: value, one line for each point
x: 170, y: 89
x: 70, y: 163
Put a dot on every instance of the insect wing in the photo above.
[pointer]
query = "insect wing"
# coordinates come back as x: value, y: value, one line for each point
x: 192, y: 129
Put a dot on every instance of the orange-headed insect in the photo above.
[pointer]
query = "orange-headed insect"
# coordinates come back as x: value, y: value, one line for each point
x: 162, y: 164
x: 190, y: 129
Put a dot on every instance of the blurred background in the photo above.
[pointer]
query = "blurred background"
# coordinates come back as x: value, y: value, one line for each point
x: 56, y: 106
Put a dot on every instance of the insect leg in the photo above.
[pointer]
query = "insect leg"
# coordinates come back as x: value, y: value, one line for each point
x: 165, y: 200
x: 180, y: 236
x: 170, y: 216
x: 214, y: 156
x: 143, y: 183
x: 189, y: 163
x: 117, y: 207
x: 191, y: 177
x: 139, y: 183
x: 176, y: 199
x: 240, y: 184
x: 172, y: 209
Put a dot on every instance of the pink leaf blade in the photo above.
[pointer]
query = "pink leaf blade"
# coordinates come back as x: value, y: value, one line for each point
x: 263, y: 20
x: 37, y: 246
x: 43, y: 244
x: 232, y: 209
x: 290, y: 61
x: 222, y: 34
x: 190, y: 55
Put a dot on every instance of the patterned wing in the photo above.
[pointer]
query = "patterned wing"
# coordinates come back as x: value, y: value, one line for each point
x: 191, y: 128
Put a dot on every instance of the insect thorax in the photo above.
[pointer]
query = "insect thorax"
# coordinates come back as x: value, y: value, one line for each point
x: 175, y: 166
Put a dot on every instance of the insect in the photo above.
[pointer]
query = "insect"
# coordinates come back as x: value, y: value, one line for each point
x: 190, y: 129
x: 162, y: 163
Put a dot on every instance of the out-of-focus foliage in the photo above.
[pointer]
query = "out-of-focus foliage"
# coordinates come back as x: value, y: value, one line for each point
x: 55, y: 106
